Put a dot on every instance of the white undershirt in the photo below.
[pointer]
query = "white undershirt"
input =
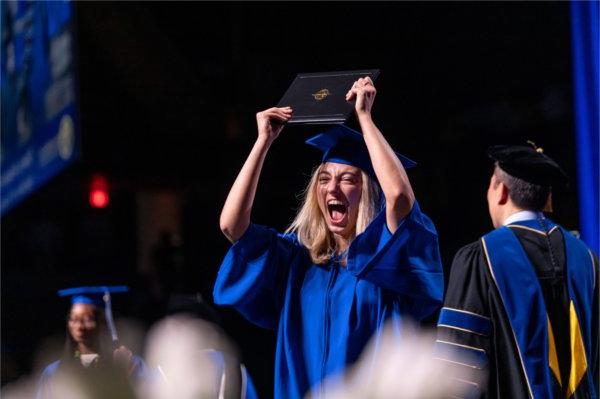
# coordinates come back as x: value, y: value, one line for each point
x: 521, y: 216
x: 88, y: 358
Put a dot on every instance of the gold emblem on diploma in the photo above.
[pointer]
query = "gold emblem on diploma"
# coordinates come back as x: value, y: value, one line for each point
x: 321, y: 94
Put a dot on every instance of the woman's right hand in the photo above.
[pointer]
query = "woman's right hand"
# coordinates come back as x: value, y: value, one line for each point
x: 271, y: 121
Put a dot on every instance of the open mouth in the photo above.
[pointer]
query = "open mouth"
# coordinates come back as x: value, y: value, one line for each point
x: 337, y: 210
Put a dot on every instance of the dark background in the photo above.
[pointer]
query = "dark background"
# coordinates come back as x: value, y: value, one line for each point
x: 168, y: 94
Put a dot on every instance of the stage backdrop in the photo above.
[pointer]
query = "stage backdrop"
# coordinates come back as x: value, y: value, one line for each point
x: 39, y: 107
x: 585, y: 42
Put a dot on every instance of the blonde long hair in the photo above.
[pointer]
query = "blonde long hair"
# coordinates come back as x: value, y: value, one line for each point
x: 309, y: 223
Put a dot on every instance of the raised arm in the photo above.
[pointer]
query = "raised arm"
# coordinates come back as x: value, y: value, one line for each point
x: 235, y: 216
x: 399, y: 196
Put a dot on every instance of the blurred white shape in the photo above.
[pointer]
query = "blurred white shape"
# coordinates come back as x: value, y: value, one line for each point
x: 186, y: 353
x: 21, y: 389
x: 403, y: 365
x: 62, y: 386
x: 65, y: 386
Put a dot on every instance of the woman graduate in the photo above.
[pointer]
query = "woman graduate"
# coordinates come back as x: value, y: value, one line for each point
x: 346, y: 265
x: 89, y: 361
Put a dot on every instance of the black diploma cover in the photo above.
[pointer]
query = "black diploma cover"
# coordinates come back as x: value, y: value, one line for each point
x: 320, y: 98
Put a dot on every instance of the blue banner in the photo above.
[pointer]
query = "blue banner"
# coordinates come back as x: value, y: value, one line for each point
x: 39, y: 108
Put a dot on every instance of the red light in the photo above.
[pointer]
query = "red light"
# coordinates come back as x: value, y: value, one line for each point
x: 99, y: 199
x: 99, y: 196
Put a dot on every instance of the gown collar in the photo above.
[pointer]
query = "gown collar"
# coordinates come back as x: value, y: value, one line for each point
x: 522, y: 216
x: 524, y: 220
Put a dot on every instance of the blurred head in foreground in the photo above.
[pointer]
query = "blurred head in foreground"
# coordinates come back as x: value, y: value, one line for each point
x: 189, y: 355
x: 402, y: 365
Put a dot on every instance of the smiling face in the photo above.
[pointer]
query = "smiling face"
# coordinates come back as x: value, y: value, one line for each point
x: 339, y: 189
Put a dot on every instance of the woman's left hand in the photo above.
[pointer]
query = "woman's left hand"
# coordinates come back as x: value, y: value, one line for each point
x: 364, y: 91
x: 399, y: 197
x: 123, y: 356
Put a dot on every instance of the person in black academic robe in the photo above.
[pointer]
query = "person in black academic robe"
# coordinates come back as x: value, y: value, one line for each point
x: 522, y: 302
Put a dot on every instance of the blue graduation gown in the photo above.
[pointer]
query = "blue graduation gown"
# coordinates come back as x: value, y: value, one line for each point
x: 325, y: 314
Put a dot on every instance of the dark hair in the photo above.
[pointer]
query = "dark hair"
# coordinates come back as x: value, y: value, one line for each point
x: 523, y: 194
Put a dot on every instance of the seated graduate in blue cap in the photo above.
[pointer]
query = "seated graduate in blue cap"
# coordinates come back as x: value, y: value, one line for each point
x: 91, y: 350
x: 347, y: 264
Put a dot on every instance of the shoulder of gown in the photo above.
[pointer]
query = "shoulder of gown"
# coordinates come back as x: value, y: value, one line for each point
x: 407, y: 262
x: 252, y: 277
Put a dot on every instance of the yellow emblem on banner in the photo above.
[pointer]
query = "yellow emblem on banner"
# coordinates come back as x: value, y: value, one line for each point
x: 66, y: 137
x: 321, y: 94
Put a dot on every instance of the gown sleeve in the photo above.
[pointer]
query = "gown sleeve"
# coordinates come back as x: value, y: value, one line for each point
x: 139, y: 371
x: 464, y: 324
x: 407, y: 262
x: 44, y: 388
x: 252, y: 277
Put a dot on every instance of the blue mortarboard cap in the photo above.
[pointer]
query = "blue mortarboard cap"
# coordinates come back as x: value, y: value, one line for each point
x: 91, y: 295
x: 344, y: 145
